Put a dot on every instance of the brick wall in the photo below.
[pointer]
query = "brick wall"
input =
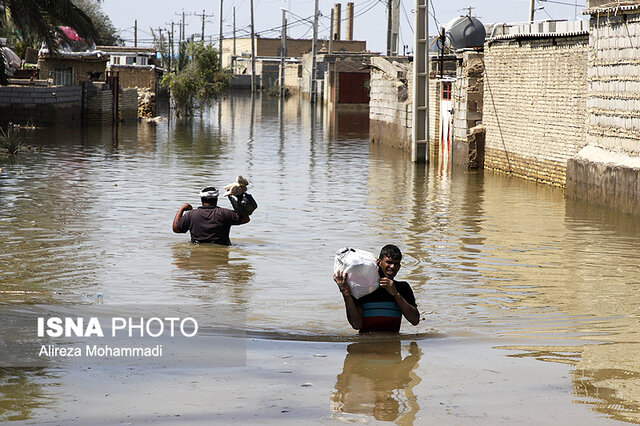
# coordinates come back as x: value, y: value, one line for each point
x: 40, y: 105
x: 99, y: 107
x: 535, y: 105
x: 143, y: 77
x: 607, y: 170
x: 468, y: 98
x: 128, y: 108
x: 614, y: 83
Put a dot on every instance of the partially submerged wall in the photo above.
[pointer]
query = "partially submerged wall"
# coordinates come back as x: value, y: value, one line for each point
x: 468, y: 97
x: 390, y: 108
x: 391, y: 105
x: 534, y: 111
x: 40, y: 105
x: 607, y: 171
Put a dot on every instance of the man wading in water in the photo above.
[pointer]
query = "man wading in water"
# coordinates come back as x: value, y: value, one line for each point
x: 383, y: 309
x: 209, y: 223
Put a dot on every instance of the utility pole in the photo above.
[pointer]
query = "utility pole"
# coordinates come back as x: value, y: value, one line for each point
x: 420, y: 130
x: 220, y: 36
x: 233, y: 57
x: 253, y: 54
x: 203, y: 16
x: 389, y: 25
x: 283, y: 52
x: 532, y: 10
x: 135, y: 33
x: 171, y: 48
x: 314, y: 52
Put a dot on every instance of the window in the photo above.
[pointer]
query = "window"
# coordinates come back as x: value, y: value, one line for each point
x: 143, y: 60
x: 131, y: 60
x: 63, y: 76
x: 116, y: 60
x: 446, y: 90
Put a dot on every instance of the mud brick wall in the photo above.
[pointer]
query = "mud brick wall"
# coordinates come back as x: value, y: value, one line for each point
x: 607, y: 170
x: 99, y: 107
x: 614, y: 82
x: 40, y: 105
x: 534, y: 110
x: 81, y: 69
x: 128, y: 108
x: 143, y: 77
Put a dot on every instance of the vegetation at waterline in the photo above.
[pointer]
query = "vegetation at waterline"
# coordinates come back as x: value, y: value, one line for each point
x: 33, y: 21
x: 274, y: 90
x: 200, y: 81
x: 10, y: 141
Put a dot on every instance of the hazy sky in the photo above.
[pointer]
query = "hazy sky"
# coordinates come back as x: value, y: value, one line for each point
x: 370, y: 16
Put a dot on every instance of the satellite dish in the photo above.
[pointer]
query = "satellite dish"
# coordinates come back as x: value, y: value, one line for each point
x: 464, y: 32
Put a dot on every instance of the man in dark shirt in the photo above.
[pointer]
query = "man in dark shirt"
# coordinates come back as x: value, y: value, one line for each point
x: 208, y: 223
x: 383, y: 309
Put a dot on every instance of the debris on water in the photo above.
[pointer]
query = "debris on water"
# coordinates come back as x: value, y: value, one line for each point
x: 320, y: 355
x: 306, y: 385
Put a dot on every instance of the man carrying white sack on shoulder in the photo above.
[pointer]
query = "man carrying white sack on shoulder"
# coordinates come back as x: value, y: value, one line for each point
x: 383, y: 309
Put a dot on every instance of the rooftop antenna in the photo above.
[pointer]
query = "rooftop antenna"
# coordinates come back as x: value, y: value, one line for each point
x: 468, y: 9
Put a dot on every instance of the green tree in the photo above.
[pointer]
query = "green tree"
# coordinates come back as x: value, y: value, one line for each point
x: 200, y: 81
x: 107, y: 34
x: 39, y: 19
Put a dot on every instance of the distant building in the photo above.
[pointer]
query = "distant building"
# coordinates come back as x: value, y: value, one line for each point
x: 127, y: 55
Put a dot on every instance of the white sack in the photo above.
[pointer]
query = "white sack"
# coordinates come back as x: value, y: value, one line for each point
x: 362, y: 269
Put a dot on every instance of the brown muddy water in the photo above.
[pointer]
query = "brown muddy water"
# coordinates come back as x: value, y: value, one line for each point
x: 530, y: 302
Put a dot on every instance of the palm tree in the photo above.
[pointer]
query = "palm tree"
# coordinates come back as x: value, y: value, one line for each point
x: 41, y: 18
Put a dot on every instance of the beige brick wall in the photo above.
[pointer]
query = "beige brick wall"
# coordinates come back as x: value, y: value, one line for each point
x: 614, y: 83
x: 534, y: 110
x: 143, y: 77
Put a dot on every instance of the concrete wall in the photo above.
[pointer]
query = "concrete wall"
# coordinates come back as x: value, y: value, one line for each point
x: 40, y: 105
x: 607, y: 170
x: 535, y: 105
x: 390, y: 107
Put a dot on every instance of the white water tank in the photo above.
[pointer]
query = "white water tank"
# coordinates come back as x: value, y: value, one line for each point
x: 464, y: 32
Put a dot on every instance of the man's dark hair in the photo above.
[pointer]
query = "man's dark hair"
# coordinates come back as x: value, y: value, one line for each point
x: 209, y: 200
x: 390, y: 251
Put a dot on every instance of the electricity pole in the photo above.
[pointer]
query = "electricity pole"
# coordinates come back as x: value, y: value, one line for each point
x: 220, y: 36
x: 203, y: 16
x: 314, y: 52
x: 283, y: 52
x: 253, y: 53
x: 532, y: 10
x: 135, y: 33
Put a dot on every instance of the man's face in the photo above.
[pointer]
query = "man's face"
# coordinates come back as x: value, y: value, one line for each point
x: 389, y: 267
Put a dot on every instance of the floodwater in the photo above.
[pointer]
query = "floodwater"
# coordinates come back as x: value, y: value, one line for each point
x: 530, y: 303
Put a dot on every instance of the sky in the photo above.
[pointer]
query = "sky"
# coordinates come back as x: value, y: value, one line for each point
x: 370, y: 21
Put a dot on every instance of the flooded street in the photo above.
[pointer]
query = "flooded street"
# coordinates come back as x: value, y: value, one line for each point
x: 530, y: 302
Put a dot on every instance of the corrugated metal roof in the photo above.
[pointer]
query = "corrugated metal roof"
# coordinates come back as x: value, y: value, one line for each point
x: 537, y: 35
x: 614, y: 6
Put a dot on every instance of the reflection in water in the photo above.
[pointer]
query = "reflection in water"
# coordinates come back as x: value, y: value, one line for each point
x: 376, y: 381
x: 489, y: 257
x: 223, y: 272
x: 21, y: 393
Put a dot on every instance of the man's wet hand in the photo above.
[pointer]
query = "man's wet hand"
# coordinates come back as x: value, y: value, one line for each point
x: 341, y: 279
x: 387, y: 284
x: 186, y: 206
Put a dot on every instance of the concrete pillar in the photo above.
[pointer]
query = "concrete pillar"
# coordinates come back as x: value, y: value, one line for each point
x: 349, y: 25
